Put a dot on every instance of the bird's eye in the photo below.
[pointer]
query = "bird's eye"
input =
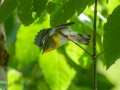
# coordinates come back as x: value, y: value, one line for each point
x: 45, y: 47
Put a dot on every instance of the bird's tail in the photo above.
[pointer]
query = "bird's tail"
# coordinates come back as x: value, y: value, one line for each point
x: 82, y: 38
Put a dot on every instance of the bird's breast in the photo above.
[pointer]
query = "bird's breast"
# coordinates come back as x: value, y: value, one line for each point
x: 56, y: 40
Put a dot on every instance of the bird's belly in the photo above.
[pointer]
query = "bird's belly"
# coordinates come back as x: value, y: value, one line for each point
x: 59, y: 40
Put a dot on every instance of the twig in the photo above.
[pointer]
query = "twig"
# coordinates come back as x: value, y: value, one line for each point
x: 99, y: 54
x: 94, y: 46
x: 75, y: 43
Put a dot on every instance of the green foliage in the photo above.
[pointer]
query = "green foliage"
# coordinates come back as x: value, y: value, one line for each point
x: 68, y: 67
x: 27, y: 39
x: 6, y: 9
x: 29, y: 10
x: 13, y: 78
x: 111, y: 38
x: 63, y: 11
x: 56, y: 71
x: 2, y: 84
x: 40, y: 6
x: 25, y: 10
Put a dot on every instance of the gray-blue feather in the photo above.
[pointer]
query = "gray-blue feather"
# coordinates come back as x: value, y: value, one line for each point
x: 41, y: 36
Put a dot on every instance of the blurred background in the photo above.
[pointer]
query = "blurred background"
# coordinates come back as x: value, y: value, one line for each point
x: 66, y: 68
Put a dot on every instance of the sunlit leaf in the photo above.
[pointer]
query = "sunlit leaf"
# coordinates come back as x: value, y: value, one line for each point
x: 73, y: 63
x: 26, y: 50
x: 56, y: 71
x: 112, y: 38
x: 13, y: 76
x: 83, y: 58
x: 7, y: 8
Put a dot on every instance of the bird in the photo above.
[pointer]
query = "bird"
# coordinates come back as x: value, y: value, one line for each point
x: 52, y: 38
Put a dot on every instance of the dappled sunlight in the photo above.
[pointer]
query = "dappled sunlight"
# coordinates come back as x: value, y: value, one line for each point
x: 62, y: 56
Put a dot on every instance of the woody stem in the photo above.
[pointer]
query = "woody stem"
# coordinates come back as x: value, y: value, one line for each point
x: 94, y: 46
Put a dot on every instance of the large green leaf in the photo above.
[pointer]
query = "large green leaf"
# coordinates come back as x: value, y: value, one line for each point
x: 26, y: 50
x: 57, y: 72
x: 6, y: 9
x: 58, y: 1
x: 111, y: 39
x: 2, y: 85
x: 62, y: 13
x: 13, y: 79
x: 24, y: 10
x: 80, y: 5
x: 29, y: 10
x: 65, y: 10
x: 51, y: 7
x: 40, y: 6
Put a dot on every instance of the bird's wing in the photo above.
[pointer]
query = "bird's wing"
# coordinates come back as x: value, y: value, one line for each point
x: 60, y: 27
x: 41, y: 36
x: 65, y: 25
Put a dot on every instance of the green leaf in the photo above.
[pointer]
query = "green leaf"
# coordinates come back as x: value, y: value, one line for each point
x: 26, y: 50
x: 62, y: 13
x: 40, y: 6
x: 80, y: 5
x: 29, y: 10
x: 81, y: 28
x: 51, y: 7
x: 91, y: 2
x: 58, y: 1
x: 42, y: 85
x: 65, y: 10
x: 111, y: 40
x: 24, y: 10
x: 13, y: 76
x: 107, y: 1
x: 2, y: 84
x: 57, y: 72
x: 6, y: 9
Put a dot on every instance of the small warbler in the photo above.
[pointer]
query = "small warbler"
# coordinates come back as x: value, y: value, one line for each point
x: 52, y: 38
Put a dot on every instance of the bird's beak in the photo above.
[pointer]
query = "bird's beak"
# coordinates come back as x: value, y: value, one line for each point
x: 46, y: 50
x: 42, y: 51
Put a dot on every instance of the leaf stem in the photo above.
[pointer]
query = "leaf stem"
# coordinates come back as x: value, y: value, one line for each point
x: 94, y: 46
x: 99, y: 54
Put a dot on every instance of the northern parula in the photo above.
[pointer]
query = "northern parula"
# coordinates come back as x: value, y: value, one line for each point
x: 52, y: 38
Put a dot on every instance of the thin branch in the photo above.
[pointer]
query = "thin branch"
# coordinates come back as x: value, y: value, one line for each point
x: 94, y: 29
x: 75, y: 43
x: 94, y: 46
x: 99, y: 54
